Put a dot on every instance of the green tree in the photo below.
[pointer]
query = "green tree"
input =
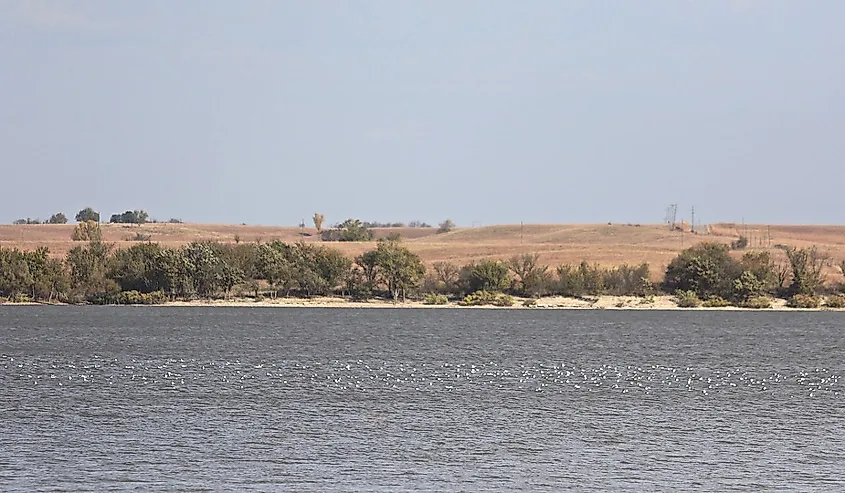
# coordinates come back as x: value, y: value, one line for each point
x: 274, y: 267
x: 487, y: 275
x: 130, y: 217
x: 706, y: 269
x: 369, y: 263
x: 204, y: 267
x: 15, y: 276
x: 807, y: 270
x: 136, y: 268
x: 57, y: 218
x: 88, y: 268
x: 87, y: 214
x: 400, y: 268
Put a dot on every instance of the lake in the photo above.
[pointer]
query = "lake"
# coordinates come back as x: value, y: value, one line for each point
x: 310, y: 399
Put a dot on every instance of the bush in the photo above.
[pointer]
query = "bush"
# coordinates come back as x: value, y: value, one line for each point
x: 20, y: 298
x: 706, y: 269
x: 436, y: 299
x: 87, y: 231
x: 481, y: 298
x: 803, y: 301
x: 716, y: 302
x: 740, y: 243
x: 757, y: 303
x: 835, y: 301
x: 530, y: 303
x: 487, y: 275
x: 687, y: 299
x: 446, y: 226
x: 349, y: 230
x: 137, y: 298
x: 503, y: 300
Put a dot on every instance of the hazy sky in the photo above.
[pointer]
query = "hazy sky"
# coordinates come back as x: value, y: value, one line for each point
x: 265, y: 112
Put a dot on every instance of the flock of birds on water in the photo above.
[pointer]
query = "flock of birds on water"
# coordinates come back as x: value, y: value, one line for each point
x: 363, y: 376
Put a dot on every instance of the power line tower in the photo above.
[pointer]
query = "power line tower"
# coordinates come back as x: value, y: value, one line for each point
x: 692, y: 221
x: 671, y: 216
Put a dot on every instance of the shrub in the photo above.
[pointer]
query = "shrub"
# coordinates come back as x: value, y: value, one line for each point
x: 530, y: 303
x: 716, y: 302
x: 87, y: 231
x: 349, y: 230
x: 141, y: 237
x: 687, y: 299
x: 481, y: 298
x: 136, y: 298
x: 435, y: 299
x: 757, y: 303
x: 20, y: 298
x: 835, y: 301
x: 803, y: 301
x: 446, y: 226
x: 487, y: 275
x: 739, y: 244
x: 503, y: 300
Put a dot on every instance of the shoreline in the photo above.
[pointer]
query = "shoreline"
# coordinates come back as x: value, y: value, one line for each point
x: 618, y: 303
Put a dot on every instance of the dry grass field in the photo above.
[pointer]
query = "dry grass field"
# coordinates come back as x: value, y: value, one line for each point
x: 556, y: 243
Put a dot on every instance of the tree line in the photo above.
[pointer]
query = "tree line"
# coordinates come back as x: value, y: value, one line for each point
x: 88, y: 214
x: 96, y: 272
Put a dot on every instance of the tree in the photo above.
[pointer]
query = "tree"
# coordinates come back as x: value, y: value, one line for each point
x: 28, y: 220
x: 87, y: 231
x: 807, y: 265
x: 400, y: 268
x: 135, y: 268
x: 272, y: 266
x: 88, y: 278
x: 318, y: 221
x: 203, y: 267
x: 130, y: 217
x: 706, y: 269
x: 530, y: 276
x: 446, y: 226
x: 448, y: 275
x: 369, y: 263
x: 487, y: 275
x: 57, y: 218
x: 87, y: 214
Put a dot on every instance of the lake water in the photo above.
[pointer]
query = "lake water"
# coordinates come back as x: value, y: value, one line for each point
x: 218, y: 399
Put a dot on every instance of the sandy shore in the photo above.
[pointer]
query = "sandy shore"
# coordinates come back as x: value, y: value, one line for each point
x: 556, y: 302
x: 548, y: 303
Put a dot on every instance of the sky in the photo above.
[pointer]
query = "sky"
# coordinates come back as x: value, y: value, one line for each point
x: 482, y: 111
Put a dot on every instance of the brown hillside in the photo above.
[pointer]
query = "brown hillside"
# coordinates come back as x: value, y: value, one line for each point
x: 556, y: 243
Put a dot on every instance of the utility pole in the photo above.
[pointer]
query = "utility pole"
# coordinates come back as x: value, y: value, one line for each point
x: 692, y: 224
